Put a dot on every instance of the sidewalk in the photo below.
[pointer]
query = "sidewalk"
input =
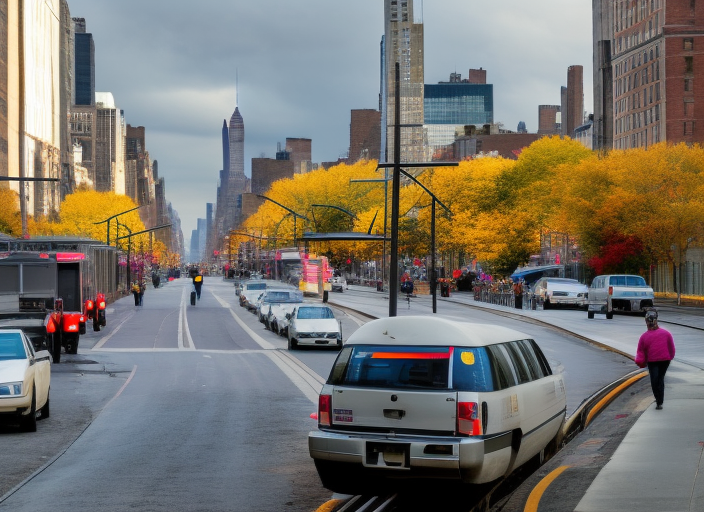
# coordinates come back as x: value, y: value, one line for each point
x: 659, y: 465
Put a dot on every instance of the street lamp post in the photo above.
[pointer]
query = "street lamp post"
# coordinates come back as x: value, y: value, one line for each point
x: 395, y: 192
x: 107, y: 237
x: 295, y: 216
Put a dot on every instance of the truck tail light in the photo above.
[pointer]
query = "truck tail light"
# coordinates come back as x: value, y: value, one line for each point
x: 468, y: 421
x: 324, y: 404
x: 50, y: 327
x: 611, y: 290
x: 101, y: 304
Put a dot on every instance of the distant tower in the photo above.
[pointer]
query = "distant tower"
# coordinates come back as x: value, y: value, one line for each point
x: 522, y: 127
x: 236, y: 179
x: 403, y: 43
x: 236, y: 138
x: 84, y: 61
x: 574, y: 113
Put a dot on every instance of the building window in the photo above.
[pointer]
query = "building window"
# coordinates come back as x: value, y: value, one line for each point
x: 688, y: 43
x: 689, y: 84
x: 689, y: 64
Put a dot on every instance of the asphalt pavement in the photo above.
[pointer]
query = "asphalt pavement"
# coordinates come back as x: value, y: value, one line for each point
x: 659, y: 463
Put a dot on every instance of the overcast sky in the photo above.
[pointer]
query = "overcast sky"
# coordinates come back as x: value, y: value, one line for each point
x: 303, y: 65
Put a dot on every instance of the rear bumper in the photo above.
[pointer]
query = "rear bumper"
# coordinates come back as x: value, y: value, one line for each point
x: 475, y: 459
x: 569, y: 301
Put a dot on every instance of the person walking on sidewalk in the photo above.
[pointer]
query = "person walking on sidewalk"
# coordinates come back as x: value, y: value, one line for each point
x: 656, y: 349
x: 135, y: 292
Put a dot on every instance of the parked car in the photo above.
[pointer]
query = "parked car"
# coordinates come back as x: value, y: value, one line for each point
x: 558, y: 291
x: 25, y: 379
x: 251, y: 290
x: 274, y: 296
x: 313, y: 324
x: 621, y: 292
x: 339, y: 283
x: 276, y: 318
x: 416, y: 397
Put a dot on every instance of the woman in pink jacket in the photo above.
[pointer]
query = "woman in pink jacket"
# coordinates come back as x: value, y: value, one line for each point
x: 656, y: 348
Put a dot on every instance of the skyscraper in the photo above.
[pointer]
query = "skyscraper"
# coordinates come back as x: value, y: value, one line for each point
x: 655, y: 64
x: 403, y: 44
x: 603, y: 27
x: 84, y: 74
x: 573, y: 114
x: 236, y: 179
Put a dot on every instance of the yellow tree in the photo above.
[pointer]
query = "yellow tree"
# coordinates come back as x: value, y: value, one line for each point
x: 82, y: 213
x: 10, y: 220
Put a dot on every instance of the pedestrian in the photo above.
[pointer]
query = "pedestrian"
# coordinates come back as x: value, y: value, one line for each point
x: 135, y: 292
x: 142, y: 287
x: 656, y: 349
x: 198, y: 283
x: 518, y: 294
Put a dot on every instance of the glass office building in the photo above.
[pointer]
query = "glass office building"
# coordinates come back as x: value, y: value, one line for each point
x: 449, y: 107
x: 459, y: 104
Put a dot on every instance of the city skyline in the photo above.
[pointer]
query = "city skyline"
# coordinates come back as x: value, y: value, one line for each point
x: 301, y: 72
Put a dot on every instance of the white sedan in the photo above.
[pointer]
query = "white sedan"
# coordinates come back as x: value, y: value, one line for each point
x: 313, y: 324
x: 25, y: 378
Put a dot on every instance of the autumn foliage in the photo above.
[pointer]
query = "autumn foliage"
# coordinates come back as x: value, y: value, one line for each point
x: 626, y: 209
x: 82, y: 214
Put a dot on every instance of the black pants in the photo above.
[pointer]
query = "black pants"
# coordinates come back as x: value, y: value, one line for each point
x: 657, y: 370
x: 198, y: 287
x: 136, y: 298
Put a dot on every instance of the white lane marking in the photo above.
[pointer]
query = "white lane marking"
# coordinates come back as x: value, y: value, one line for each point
x: 183, y: 326
x: 257, y: 339
x: 134, y: 370
x: 308, y: 383
x: 105, y: 339
x: 201, y: 350
x: 305, y: 379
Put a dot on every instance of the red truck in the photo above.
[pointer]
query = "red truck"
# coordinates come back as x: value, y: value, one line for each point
x: 42, y: 294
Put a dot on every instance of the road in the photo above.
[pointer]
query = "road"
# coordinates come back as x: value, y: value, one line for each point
x: 174, y: 407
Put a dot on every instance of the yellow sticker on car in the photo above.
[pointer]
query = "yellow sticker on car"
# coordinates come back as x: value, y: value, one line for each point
x: 468, y: 358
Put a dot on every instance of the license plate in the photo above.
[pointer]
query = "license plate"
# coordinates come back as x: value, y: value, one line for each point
x: 388, y: 455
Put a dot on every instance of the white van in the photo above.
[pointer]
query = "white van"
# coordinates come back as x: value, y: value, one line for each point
x: 619, y: 292
x: 430, y: 397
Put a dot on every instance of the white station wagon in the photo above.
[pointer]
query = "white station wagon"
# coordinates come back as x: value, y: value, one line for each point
x: 416, y: 397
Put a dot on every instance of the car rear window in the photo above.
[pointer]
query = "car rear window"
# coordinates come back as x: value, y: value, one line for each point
x: 636, y: 281
x: 395, y: 367
x: 256, y: 286
x: 477, y: 369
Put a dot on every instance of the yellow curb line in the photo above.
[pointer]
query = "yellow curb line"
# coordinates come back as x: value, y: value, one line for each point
x: 605, y: 401
x: 537, y: 493
x: 329, y: 506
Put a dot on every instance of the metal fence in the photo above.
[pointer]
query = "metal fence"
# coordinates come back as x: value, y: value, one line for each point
x: 502, y: 294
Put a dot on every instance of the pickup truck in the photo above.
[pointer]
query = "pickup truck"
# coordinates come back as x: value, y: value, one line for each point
x: 620, y: 292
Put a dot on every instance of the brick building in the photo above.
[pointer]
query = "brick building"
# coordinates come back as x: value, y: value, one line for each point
x: 657, y: 64
x: 572, y: 112
x: 548, y: 119
x: 365, y: 135
x: 299, y: 151
x: 266, y: 171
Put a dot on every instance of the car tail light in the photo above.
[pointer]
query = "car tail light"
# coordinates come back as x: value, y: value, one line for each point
x: 468, y: 421
x: 101, y: 304
x: 324, y: 404
x: 611, y: 290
